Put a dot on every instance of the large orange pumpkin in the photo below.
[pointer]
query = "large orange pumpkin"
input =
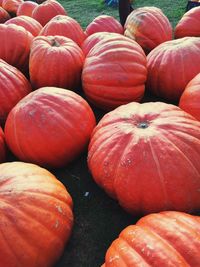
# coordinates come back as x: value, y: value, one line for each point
x: 36, y: 216
x: 114, y: 72
x: 163, y: 239
x: 104, y: 23
x: 50, y: 127
x: 26, y: 8
x: 15, y: 45
x: 190, y: 99
x: 149, y: 27
x: 2, y: 146
x: 4, y: 15
x: 60, y: 62
x: 47, y: 10
x: 11, y: 6
x: 189, y: 24
x: 171, y: 66
x: 64, y: 26
x: 13, y: 87
x: 28, y: 23
x: 147, y: 157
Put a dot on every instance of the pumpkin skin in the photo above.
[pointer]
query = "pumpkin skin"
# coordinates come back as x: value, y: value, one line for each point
x: 190, y: 99
x: 131, y: 156
x: 47, y: 10
x: 164, y: 78
x: 4, y: 15
x: 149, y: 27
x: 15, y: 45
x: 64, y: 26
x: 13, y: 87
x: 189, y: 24
x: 26, y: 8
x: 36, y: 214
x: 114, y: 73
x: 29, y: 24
x: 55, y: 136
x: 59, y: 56
x: 163, y: 239
x: 2, y: 146
x: 11, y: 6
x: 104, y: 23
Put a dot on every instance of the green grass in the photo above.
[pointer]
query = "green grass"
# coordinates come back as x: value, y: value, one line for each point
x: 84, y: 11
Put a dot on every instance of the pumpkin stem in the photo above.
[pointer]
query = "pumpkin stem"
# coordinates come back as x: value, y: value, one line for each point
x: 55, y: 43
x: 143, y: 125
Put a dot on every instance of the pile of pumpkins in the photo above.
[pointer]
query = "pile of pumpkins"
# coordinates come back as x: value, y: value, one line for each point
x: 145, y: 155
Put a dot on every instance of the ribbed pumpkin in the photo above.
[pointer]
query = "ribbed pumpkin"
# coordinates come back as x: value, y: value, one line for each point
x: 189, y: 25
x: 15, y: 45
x: 94, y: 38
x: 104, y: 23
x: 190, y: 99
x: 171, y: 66
x: 28, y: 23
x: 4, y: 15
x: 2, y: 146
x: 26, y: 8
x: 114, y: 73
x: 60, y: 62
x: 149, y: 27
x: 36, y: 216
x: 147, y: 157
x: 47, y: 10
x: 163, y: 239
x: 64, y: 26
x: 49, y: 127
x: 11, y: 6
x: 13, y: 87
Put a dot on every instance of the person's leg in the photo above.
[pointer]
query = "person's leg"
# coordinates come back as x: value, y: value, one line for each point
x: 124, y: 10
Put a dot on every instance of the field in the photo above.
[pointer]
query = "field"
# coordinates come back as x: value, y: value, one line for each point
x: 98, y: 218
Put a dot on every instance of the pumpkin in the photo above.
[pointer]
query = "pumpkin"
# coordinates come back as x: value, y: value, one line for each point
x: 13, y: 87
x: 15, y: 45
x: 28, y: 23
x: 4, y: 15
x: 59, y: 122
x: 149, y: 27
x: 94, y: 38
x: 36, y: 216
x: 189, y: 24
x: 60, y: 62
x: 2, y: 146
x: 104, y: 23
x: 26, y: 8
x: 64, y: 26
x: 11, y: 6
x: 114, y: 72
x: 171, y: 66
x: 47, y: 10
x: 147, y: 157
x: 190, y: 99
x: 163, y: 239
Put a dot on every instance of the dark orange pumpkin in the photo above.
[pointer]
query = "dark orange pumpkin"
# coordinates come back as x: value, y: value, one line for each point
x: 13, y: 87
x: 2, y: 146
x: 49, y: 127
x: 190, y: 99
x: 36, y: 216
x: 163, y: 239
x: 28, y: 23
x: 104, y: 23
x: 47, y: 10
x: 11, y: 6
x: 4, y: 15
x: 114, y: 72
x: 60, y: 62
x: 171, y: 66
x: 149, y: 27
x: 26, y: 8
x: 64, y: 26
x: 15, y: 45
x: 189, y: 24
x: 147, y: 157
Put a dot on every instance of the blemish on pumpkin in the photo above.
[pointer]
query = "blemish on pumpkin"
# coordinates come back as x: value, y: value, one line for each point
x: 59, y: 209
x: 56, y: 224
